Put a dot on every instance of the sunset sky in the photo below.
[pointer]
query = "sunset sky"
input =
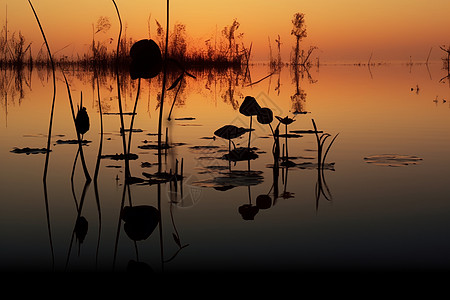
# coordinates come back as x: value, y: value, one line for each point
x: 343, y: 30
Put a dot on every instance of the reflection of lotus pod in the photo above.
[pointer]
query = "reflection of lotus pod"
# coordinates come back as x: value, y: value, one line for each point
x: 82, y: 121
x: 263, y: 201
x: 248, y: 211
x: 265, y: 115
x: 140, y: 221
x: 230, y: 132
x: 146, y: 59
x: 249, y: 107
x: 81, y: 228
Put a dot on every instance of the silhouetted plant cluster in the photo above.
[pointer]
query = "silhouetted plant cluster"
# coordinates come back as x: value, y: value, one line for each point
x: 16, y: 52
x: 300, y: 56
x: 227, y: 50
x: 446, y: 61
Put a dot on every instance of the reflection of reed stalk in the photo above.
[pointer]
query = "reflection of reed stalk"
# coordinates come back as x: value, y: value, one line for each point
x: 79, y: 209
x: 97, y: 166
x: 49, y: 137
x: 321, y: 162
x: 163, y: 90
x: 54, y: 92
x: 101, y: 130
x: 134, y: 113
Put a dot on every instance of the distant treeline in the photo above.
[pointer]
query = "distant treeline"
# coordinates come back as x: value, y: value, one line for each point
x: 224, y: 50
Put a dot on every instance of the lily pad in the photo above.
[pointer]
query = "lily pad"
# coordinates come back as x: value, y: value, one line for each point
x: 392, y: 160
x: 28, y: 150
x: 71, y: 142
x: 308, y: 131
x: 185, y: 119
x: 240, y: 154
x: 120, y: 156
x: 230, y: 132
x: 232, y: 179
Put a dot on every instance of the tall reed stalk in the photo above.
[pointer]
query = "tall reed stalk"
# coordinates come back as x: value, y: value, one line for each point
x: 127, y: 166
x: 47, y: 156
x: 133, y: 115
x: 163, y: 90
x: 97, y: 165
x: 54, y: 92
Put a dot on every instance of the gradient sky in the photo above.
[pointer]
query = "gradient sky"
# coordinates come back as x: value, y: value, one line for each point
x: 343, y: 30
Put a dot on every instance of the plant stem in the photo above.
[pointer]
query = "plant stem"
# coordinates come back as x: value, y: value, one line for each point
x: 250, y: 132
x: 54, y: 92
x: 101, y: 129
x: 127, y: 166
x: 287, y: 156
x: 79, y: 137
x: 134, y: 114
x: 163, y: 90
x: 174, y: 100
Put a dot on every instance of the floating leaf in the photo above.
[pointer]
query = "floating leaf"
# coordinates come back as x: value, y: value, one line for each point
x: 28, y: 150
x: 392, y: 160
x: 232, y: 179
x: 130, y: 156
x: 185, y: 119
x: 230, y: 132
x: 241, y: 154
x: 84, y: 142
x: 306, y: 131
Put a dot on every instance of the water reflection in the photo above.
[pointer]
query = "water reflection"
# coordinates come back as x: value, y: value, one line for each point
x: 138, y: 222
x: 159, y: 222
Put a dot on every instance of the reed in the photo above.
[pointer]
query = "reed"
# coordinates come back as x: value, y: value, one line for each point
x: 321, y: 156
x: 100, y: 147
x: 163, y: 90
x: 227, y: 50
x: 54, y: 92
x: 124, y: 143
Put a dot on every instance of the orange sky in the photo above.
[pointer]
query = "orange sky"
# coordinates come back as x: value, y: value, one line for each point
x: 346, y: 30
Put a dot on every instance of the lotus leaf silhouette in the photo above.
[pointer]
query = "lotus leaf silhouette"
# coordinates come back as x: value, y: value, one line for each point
x: 146, y: 59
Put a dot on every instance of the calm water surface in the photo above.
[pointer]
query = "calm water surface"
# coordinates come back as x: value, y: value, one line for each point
x: 368, y: 214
